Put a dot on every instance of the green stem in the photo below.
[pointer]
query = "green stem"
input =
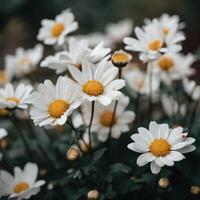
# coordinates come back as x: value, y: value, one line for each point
x: 114, y: 111
x: 20, y: 131
x: 90, y: 124
x: 192, y: 117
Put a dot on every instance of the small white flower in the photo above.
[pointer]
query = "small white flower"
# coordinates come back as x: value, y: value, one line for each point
x: 174, y: 66
x: 54, y: 103
x: 169, y: 23
x: 115, y: 32
x: 152, y: 42
x: 191, y: 89
x: 95, y: 38
x: 18, y: 97
x: 160, y: 145
x: 103, y: 118
x: 24, y: 61
x: 97, y: 82
x: 138, y: 81
x: 171, y: 107
x: 78, y: 50
x: 54, y: 31
x: 23, y: 184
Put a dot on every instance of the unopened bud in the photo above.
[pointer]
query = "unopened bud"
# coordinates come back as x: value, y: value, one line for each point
x: 72, y: 154
x: 93, y: 195
x: 120, y: 58
x: 163, y: 182
x: 195, y: 190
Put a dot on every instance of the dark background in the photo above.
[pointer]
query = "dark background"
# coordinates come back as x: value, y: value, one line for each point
x: 20, y: 19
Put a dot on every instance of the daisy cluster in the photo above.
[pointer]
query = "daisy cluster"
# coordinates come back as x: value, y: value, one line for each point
x: 99, y: 95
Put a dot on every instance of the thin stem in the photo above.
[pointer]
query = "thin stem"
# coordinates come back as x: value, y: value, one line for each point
x: 114, y: 111
x: 150, y: 90
x: 20, y: 131
x: 72, y: 126
x: 192, y: 118
x: 77, y: 139
x: 90, y: 124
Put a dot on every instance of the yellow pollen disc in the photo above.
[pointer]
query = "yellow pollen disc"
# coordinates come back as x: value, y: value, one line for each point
x: 57, y: 29
x: 13, y: 99
x: 155, y: 45
x: 93, y: 88
x: 57, y: 108
x: 165, y: 63
x: 106, y: 119
x: 120, y: 58
x: 160, y: 147
x: 21, y: 187
x: 166, y: 31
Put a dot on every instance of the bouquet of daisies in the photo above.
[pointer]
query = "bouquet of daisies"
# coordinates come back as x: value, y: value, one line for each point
x: 98, y: 122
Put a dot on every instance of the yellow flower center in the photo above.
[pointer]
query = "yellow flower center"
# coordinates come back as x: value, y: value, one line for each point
x: 3, y: 77
x: 57, y: 29
x: 13, y: 99
x: 57, y: 108
x: 166, y: 31
x: 21, y: 187
x: 155, y: 45
x: 165, y: 63
x: 93, y: 88
x: 106, y: 119
x: 120, y: 57
x: 160, y: 147
x: 23, y: 60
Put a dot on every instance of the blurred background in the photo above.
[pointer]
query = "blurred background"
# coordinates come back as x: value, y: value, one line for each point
x: 20, y: 19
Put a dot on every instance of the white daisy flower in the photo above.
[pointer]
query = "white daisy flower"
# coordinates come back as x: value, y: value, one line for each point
x: 115, y: 32
x: 169, y: 23
x: 24, y: 61
x: 18, y: 97
x: 59, y: 102
x: 23, y: 184
x: 174, y: 66
x: 191, y: 89
x: 103, y: 118
x: 171, y: 106
x: 78, y: 50
x: 97, y: 82
x: 95, y: 38
x: 160, y: 145
x: 151, y: 42
x: 54, y: 31
x: 138, y: 81
x: 3, y: 133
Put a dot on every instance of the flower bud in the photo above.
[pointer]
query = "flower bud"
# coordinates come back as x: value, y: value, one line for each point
x: 195, y: 190
x: 72, y: 154
x: 120, y: 58
x: 163, y: 182
x: 93, y: 195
